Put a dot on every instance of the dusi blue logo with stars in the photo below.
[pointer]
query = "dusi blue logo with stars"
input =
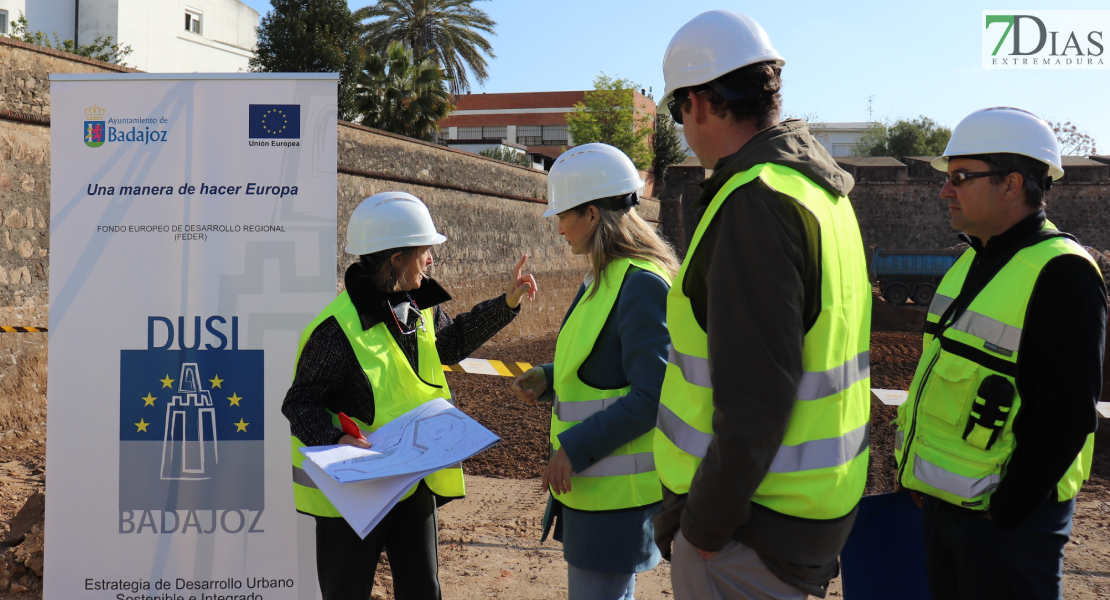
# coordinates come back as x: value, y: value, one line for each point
x: 275, y: 121
x: 191, y: 439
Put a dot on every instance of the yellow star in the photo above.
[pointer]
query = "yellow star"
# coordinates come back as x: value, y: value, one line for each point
x: 141, y: 425
x: 241, y: 426
x: 235, y: 398
x: 216, y: 382
x: 148, y: 399
x: 167, y: 382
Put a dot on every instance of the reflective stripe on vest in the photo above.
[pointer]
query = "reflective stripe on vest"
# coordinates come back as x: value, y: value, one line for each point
x: 397, y: 389
x: 814, y: 454
x: 621, y: 464
x: 626, y: 478
x: 820, y: 467
x: 953, y: 483
x: 813, y: 386
x: 1007, y: 337
x: 951, y: 442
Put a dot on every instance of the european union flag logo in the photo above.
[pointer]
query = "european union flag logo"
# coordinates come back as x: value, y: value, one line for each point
x: 191, y: 429
x: 275, y: 121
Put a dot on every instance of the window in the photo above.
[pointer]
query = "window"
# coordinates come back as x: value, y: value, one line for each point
x: 529, y: 135
x: 192, y: 21
x: 541, y: 135
x: 3, y: 22
x: 495, y: 133
x: 470, y: 133
x: 554, y: 135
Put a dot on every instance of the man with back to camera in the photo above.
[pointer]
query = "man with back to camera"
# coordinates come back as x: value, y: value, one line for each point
x: 997, y: 435
x: 762, y: 433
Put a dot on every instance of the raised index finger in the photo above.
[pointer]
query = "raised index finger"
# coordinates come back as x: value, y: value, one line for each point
x: 520, y: 265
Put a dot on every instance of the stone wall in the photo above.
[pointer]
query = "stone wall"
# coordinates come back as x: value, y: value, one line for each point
x: 24, y: 222
x: 25, y: 76
x: 900, y: 206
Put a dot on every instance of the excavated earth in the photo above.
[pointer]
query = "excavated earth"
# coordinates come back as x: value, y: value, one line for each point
x: 489, y: 541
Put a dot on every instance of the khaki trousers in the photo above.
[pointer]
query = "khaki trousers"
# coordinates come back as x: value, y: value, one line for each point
x: 735, y: 573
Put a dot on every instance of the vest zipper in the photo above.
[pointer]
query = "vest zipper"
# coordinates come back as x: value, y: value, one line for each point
x: 913, y: 419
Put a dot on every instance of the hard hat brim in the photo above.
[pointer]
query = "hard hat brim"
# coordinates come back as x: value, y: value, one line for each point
x: 430, y: 239
x: 940, y: 163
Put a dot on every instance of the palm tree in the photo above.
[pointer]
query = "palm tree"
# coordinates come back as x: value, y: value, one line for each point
x: 397, y: 94
x: 446, y: 31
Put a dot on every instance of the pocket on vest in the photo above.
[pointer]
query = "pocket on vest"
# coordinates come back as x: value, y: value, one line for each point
x: 950, y: 389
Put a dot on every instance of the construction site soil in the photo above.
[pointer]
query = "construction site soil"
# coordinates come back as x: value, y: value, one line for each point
x: 489, y: 541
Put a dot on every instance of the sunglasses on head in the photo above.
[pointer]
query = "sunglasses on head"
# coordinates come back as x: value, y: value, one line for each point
x: 959, y: 178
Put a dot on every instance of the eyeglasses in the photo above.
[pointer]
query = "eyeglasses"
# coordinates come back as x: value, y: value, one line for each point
x: 680, y: 98
x: 421, y: 325
x: 959, y: 178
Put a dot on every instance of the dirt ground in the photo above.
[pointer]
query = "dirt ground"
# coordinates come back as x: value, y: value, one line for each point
x: 489, y: 541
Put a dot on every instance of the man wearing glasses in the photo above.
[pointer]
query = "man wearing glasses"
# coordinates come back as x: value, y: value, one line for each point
x: 996, y: 437
x: 762, y: 433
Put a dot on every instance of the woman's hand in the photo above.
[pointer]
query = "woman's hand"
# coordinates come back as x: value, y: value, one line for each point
x: 530, y: 386
x: 520, y: 285
x: 558, y: 473
x: 351, y: 440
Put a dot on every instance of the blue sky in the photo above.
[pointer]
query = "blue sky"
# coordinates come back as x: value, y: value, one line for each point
x: 915, y: 58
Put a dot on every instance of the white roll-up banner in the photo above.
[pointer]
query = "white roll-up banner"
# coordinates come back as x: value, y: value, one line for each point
x: 192, y: 238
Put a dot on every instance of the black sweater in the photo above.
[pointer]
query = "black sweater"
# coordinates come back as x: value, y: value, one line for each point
x: 1059, y: 373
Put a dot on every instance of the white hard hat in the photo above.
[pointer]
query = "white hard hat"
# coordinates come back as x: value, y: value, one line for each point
x: 1004, y: 130
x: 589, y: 172
x: 710, y: 45
x: 390, y: 220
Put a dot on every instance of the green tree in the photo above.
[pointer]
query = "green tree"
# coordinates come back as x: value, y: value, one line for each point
x: 608, y: 114
x: 400, y: 95
x: 504, y: 154
x: 312, y: 36
x: 917, y: 137
x: 450, y: 32
x: 668, y: 147
x: 102, y: 47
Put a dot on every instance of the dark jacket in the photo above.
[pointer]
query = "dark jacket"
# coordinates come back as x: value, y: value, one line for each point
x: 329, y: 377
x: 755, y: 283
x: 1059, y: 371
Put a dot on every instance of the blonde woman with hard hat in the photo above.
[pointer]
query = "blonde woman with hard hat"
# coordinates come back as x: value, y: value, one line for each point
x: 997, y: 438
x: 604, y: 383
x: 373, y: 354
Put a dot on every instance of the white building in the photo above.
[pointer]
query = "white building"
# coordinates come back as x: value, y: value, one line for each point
x: 838, y: 138
x: 166, y: 36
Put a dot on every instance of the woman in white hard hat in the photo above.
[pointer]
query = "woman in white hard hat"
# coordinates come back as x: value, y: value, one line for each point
x: 373, y: 354
x: 609, y: 363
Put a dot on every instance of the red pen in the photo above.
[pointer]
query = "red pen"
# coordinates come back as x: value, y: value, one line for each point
x: 349, y: 427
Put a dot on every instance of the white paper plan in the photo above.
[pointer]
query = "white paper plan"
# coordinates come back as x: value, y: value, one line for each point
x: 364, y: 485
x: 429, y: 437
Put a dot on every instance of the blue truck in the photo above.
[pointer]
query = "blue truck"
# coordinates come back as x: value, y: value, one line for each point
x: 910, y: 274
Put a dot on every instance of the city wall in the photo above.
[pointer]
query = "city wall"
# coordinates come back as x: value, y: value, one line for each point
x: 898, y: 203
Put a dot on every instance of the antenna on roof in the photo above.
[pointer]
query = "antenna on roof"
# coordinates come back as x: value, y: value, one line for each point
x: 869, y: 99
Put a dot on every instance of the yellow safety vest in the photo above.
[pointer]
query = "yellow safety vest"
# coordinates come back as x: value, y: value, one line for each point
x: 955, y: 435
x: 397, y: 390
x: 626, y: 478
x: 820, y: 469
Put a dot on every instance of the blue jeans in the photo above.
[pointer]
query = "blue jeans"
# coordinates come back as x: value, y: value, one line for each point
x: 968, y: 556
x: 591, y: 585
